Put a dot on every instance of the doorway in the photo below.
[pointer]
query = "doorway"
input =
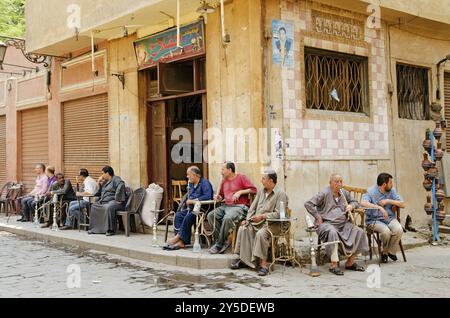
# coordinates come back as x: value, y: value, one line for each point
x: 169, y: 158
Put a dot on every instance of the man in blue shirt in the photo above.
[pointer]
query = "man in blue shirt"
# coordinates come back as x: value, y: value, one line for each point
x: 381, y: 198
x: 200, y: 189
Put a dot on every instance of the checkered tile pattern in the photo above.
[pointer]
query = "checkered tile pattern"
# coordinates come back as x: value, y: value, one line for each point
x: 328, y: 138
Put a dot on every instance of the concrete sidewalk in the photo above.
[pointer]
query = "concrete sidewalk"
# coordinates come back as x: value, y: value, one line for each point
x: 139, y: 246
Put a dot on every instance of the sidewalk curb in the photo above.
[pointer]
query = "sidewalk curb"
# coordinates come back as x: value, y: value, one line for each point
x: 156, y: 255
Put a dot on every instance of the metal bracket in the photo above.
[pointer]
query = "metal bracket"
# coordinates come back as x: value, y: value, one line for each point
x: 20, y: 45
x: 121, y: 78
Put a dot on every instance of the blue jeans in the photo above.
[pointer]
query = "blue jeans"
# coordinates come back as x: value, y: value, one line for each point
x: 75, y: 213
x: 26, y: 207
x: 184, y: 220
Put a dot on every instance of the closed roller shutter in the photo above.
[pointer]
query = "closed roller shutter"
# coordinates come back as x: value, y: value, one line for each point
x: 2, y: 150
x: 34, y: 131
x: 86, y: 138
x: 447, y: 108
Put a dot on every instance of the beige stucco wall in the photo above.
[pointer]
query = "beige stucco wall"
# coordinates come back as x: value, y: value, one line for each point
x: 234, y: 76
x: 128, y: 148
x: 43, y: 32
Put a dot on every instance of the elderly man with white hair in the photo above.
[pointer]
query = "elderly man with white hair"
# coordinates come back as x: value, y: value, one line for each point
x: 253, y: 238
x: 330, y: 207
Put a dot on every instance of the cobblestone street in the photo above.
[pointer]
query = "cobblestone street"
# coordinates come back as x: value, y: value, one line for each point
x: 35, y: 269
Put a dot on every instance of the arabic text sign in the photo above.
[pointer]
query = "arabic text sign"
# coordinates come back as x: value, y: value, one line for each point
x: 162, y: 47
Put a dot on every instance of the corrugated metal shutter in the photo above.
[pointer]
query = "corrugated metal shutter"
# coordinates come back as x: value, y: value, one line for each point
x: 447, y: 108
x: 85, y: 135
x: 2, y: 150
x: 34, y: 143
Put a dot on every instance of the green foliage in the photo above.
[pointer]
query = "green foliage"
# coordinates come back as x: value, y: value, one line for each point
x: 12, y: 18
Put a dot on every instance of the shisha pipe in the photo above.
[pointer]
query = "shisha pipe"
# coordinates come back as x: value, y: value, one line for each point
x: 55, y: 202
x: 36, y: 215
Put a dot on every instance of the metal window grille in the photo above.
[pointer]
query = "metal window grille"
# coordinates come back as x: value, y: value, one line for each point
x: 343, y: 76
x: 412, y: 92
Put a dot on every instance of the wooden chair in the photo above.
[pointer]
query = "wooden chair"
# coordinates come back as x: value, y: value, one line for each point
x: 359, y: 215
x: 133, y: 207
x: 177, y: 192
x: 373, y: 236
x: 178, y: 197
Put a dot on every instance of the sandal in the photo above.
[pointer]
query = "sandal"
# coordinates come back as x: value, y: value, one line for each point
x: 263, y: 271
x: 336, y: 271
x: 355, y: 267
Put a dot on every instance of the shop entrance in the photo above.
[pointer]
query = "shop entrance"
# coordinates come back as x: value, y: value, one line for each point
x: 176, y: 124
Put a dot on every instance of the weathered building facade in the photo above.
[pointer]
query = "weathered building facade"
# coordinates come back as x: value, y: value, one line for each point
x: 327, y: 89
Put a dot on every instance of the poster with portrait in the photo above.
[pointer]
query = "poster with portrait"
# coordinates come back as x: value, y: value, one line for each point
x: 283, y: 43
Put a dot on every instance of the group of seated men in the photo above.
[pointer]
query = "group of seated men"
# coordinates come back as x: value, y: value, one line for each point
x: 330, y: 208
x: 109, y: 188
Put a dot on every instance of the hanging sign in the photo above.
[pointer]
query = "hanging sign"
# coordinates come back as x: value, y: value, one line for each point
x: 162, y: 47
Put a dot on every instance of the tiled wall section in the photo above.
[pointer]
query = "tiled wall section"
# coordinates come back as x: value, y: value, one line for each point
x: 331, y: 138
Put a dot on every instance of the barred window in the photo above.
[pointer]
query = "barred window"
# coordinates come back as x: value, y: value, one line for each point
x: 336, y: 81
x: 412, y: 92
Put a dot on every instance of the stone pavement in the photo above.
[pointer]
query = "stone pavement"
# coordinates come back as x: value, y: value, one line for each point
x: 30, y: 268
x: 139, y: 246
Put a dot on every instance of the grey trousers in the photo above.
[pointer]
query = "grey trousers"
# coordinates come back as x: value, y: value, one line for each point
x: 252, y: 243
x: 226, y: 218
x: 390, y: 235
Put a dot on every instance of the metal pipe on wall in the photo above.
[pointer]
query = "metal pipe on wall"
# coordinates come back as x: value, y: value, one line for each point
x: 178, y: 23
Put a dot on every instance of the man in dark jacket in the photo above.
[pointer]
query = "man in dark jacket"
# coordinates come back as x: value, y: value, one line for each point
x: 112, y: 199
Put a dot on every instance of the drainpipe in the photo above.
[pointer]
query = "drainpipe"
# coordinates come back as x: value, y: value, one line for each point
x: 178, y: 23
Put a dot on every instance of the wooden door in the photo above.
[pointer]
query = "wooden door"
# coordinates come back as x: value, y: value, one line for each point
x: 157, y: 157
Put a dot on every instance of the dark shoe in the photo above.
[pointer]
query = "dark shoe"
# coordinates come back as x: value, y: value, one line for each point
x: 110, y: 233
x: 263, y: 271
x: 236, y: 264
x: 384, y: 258
x: 225, y: 246
x: 90, y: 232
x: 43, y: 226
x: 20, y: 220
x: 214, y: 250
x: 355, y: 267
x: 23, y: 220
x: 336, y: 271
x: 172, y: 247
x: 393, y: 257
x: 65, y: 227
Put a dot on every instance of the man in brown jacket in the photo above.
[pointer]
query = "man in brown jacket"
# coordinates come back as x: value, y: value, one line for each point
x: 253, y: 238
